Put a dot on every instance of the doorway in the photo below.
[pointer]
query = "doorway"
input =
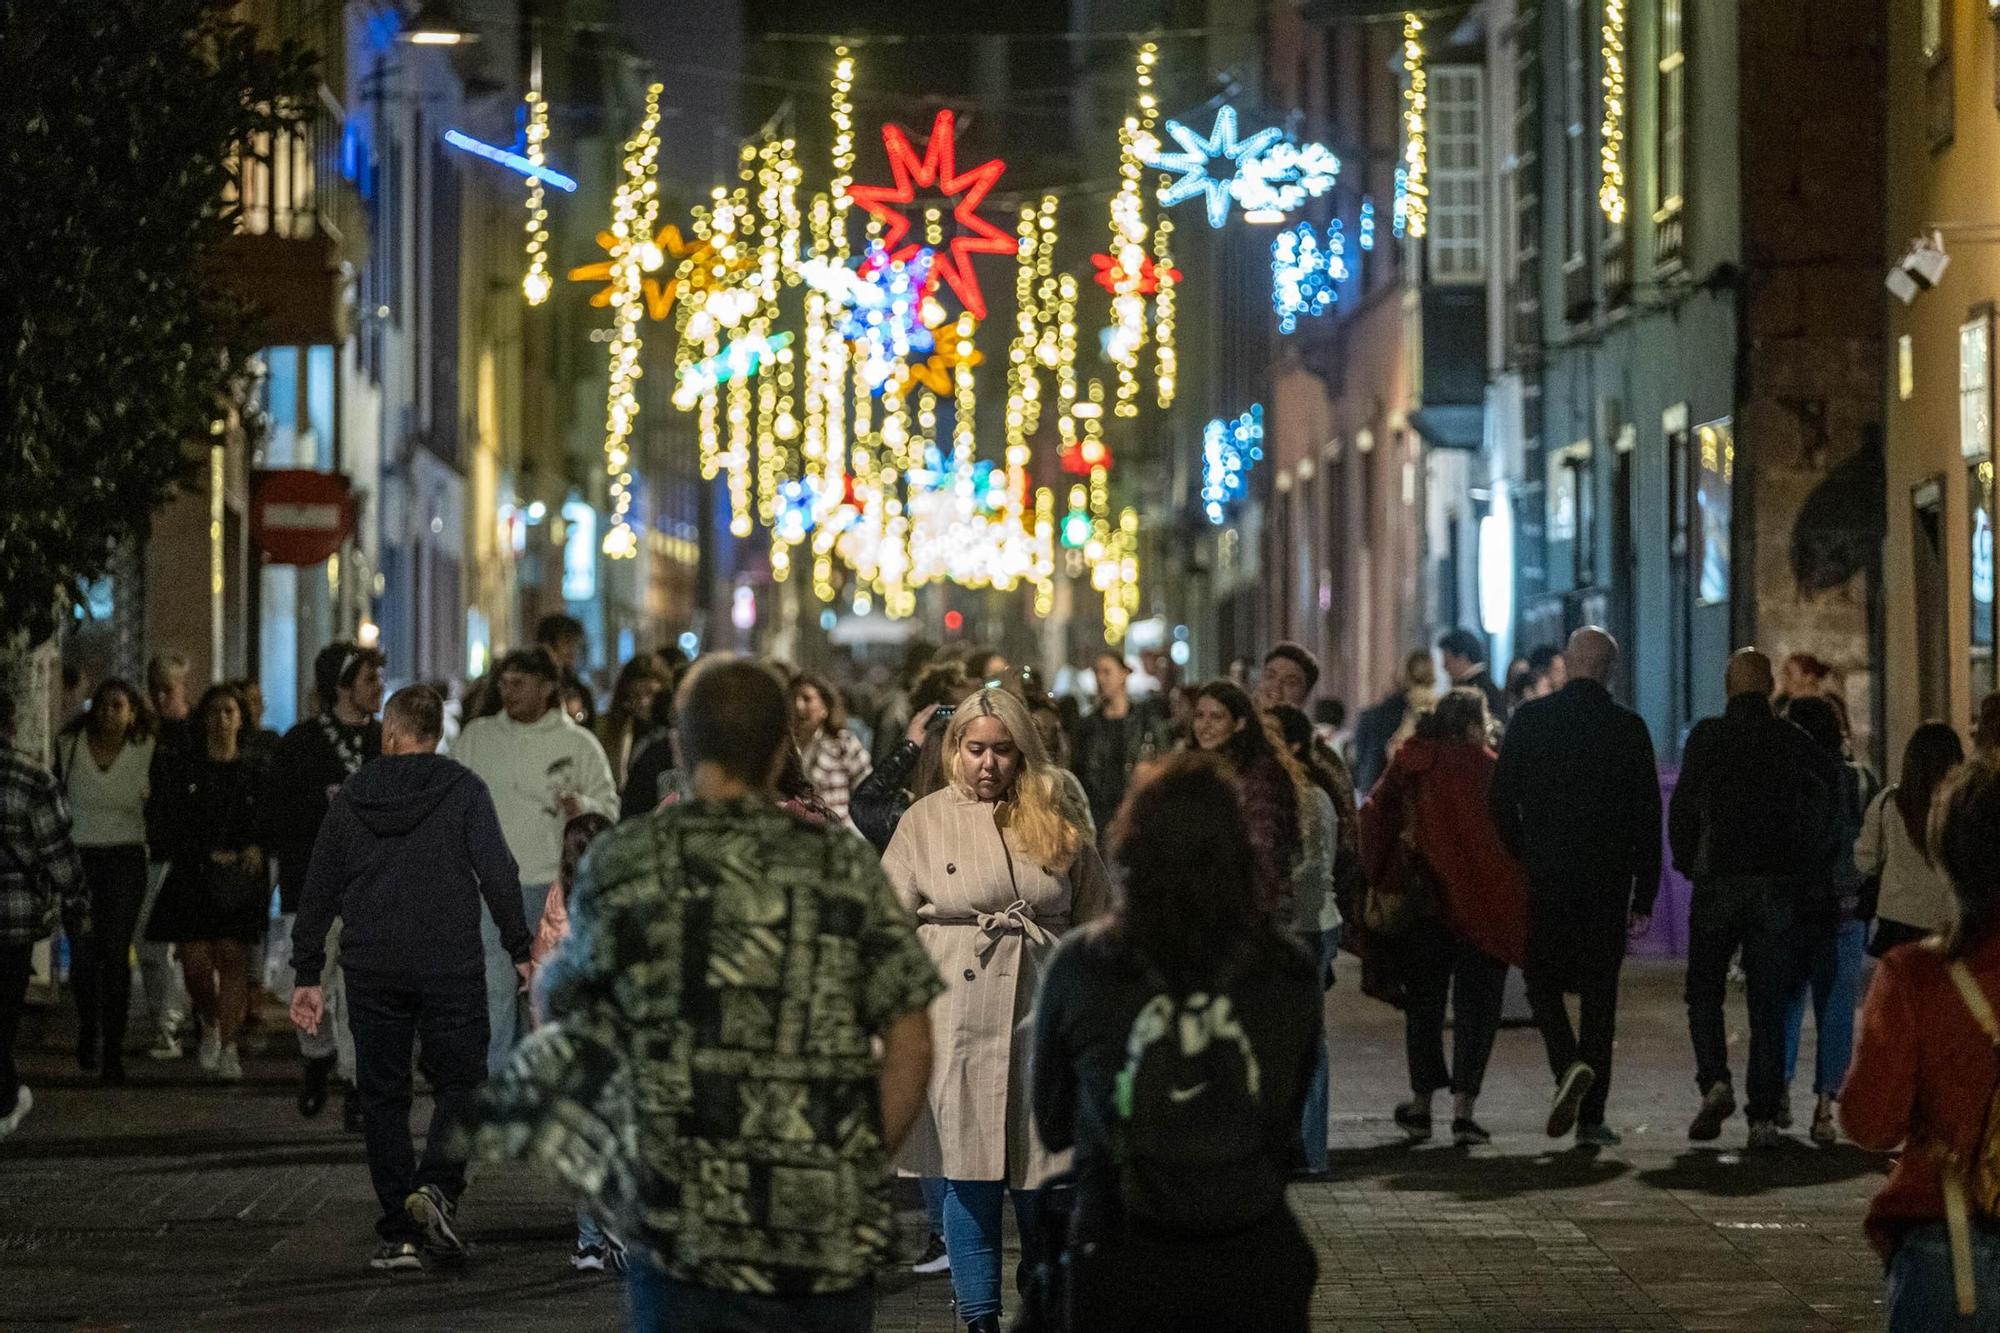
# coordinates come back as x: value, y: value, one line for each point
x: 1932, y: 605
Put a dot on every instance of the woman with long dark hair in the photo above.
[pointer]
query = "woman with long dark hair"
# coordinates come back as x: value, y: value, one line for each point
x: 1915, y: 898
x: 1227, y: 723
x: 1434, y: 804
x: 105, y: 760
x: 1834, y: 936
x: 1173, y: 1048
x: 622, y: 728
x: 835, y: 759
x: 1922, y: 1081
x: 217, y: 894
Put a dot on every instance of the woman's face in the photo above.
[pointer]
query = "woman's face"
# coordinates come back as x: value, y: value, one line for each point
x: 988, y: 759
x: 112, y: 717
x: 225, y: 722
x: 808, y: 709
x: 1213, y: 724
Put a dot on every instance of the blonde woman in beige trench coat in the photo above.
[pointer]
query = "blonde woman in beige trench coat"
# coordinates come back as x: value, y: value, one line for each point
x: 995, y: 872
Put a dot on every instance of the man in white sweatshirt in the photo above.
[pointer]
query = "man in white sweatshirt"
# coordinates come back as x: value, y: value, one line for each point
x: 543, y: 771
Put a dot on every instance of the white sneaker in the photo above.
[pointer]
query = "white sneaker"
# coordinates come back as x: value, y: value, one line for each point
x: 24, y: 1102
x: 209, y: 1053
x: 229, y: 1067
x: 168, y: 1045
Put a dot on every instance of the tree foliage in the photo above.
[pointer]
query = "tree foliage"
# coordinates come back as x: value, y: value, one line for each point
x: 121, y: 125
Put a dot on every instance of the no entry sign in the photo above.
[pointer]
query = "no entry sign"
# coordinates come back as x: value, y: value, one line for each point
x: 299, y: 516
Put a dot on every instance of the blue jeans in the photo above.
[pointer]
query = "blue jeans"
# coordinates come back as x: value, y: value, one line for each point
x: 1921, y: 1298
x: 1313, y: 1121
x: 662, y: 1305
x: 1832, y: 975
x: 506, y: 1007
x: 972, y: 1237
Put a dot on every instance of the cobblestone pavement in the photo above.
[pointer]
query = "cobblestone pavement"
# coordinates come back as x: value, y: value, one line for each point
x: 176, y: 1205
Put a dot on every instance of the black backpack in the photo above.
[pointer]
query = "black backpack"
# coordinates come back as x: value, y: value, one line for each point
x: 1188, y: 1114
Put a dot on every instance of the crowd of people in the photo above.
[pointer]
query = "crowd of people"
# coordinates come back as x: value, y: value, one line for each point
x: 728, y: 953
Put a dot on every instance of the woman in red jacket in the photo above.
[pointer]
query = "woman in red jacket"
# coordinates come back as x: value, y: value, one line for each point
x: 1924, y: 1072
x: 1432, y: 803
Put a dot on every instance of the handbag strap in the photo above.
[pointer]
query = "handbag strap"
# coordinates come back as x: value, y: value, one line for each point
x: 1952, y: 1172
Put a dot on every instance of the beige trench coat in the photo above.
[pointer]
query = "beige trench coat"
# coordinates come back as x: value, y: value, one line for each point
x: 990, y: 918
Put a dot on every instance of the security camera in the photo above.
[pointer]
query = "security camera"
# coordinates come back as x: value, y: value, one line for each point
x: 1920, y: 270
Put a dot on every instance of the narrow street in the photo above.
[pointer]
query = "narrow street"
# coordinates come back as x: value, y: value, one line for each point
x: 172, y: 1205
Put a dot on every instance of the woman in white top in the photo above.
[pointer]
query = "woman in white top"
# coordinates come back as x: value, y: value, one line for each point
x: 1915, y: 898
x: 105, y: 757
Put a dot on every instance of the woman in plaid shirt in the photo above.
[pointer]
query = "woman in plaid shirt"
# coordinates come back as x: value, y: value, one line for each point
x: 835, y: 759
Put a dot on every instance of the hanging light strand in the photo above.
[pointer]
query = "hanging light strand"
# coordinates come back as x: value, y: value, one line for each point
x: 635, y: 212
x: 1611, y: 152
x: 1416, y: 132
x: 536, y: 282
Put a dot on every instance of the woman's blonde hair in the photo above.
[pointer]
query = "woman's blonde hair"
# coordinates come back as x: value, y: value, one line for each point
x: 1043, y: 830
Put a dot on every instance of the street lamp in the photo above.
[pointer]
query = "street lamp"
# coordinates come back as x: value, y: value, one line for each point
x: 436, y: 25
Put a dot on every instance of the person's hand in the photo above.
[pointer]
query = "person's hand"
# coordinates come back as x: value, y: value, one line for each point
x: 308, y: 1003
x: 920, y: 725
x: 1639, y: 924
x: 525, y: 971
x: 224, y: 858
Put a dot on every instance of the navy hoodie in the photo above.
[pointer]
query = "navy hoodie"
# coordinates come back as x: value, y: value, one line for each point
x: 408, y: 848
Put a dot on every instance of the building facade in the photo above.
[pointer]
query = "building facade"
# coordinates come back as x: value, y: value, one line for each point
x: 1938, y: 622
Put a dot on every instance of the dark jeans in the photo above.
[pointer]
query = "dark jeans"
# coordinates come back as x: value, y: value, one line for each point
x: 1576, y: 945
x: 1258, y: 1279
x: 16, y: 966
x: 101, y: 967
x: 661, y: 1304
x: 1759, y: 916
x: 389, y: 1015
x: 1439, y: 964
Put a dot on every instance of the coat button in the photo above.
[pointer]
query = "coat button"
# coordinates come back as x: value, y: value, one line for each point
x: 950, y: 869
x: 969, y: 975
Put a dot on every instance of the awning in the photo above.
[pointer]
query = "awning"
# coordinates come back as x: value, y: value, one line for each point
x: 1451, y: 425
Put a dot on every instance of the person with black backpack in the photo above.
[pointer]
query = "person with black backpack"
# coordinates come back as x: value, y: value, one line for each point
x: 1754, y: 824
x: 1174, y: 1042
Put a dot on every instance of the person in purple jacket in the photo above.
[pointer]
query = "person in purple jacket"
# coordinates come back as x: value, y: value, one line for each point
x: 410, y: 847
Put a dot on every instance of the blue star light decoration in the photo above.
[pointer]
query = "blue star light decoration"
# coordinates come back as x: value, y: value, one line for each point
x: 892, y: 328
x: 1306, y: 272
x: 1229, y: 449
x: 1220, y: 148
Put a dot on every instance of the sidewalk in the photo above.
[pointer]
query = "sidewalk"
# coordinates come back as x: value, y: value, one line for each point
x: 179, y: 1205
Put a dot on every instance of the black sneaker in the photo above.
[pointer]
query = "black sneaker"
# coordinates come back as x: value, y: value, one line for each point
x: 1570, y: 1092
x: 589, y: 1258
x: 936, y: 1259
x: 350, y: 1113
x: 396, y: 1256
x: 313, y: 1084
x: 429, y: 1209
x: 1416, y: 1124
x: 1469, y: 1133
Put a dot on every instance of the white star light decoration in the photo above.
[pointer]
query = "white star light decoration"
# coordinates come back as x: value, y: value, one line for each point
x: 1265, y: 174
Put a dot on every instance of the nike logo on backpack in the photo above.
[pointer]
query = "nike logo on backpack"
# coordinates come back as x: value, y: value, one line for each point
x: 1186, y: 1094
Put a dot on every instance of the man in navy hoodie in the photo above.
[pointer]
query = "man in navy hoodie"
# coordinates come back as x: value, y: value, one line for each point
x: 409, y: 848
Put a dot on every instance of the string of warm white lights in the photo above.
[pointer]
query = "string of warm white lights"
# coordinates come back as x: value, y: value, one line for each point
x: 635, y: 212
x: 1125, y: 276
x: 536, y: 282
x: 1415, y: 183
x: 1611, y: 150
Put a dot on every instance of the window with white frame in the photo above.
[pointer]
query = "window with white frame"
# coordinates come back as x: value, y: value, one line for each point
x: 1672, y: 144
x: 1975, y: 386
x: 1458, y: 173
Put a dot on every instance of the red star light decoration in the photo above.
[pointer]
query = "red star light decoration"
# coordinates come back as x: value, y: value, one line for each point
x: 1113, y: 279
x: 938, y: 170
